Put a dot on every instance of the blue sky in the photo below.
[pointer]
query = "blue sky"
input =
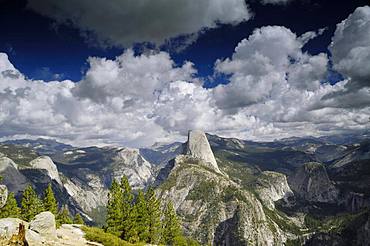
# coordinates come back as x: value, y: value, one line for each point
x: 136, y: 72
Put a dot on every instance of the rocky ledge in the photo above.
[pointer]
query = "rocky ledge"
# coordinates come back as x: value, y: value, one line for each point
x: 41, y: 231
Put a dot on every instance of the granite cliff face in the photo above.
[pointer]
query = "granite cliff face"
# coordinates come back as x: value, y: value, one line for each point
x: 311, y: 182
x: 47, y: 164
x: 89, y: 172
x: 272, y: 187
x: 131, y: 164
x: 198, y: 147
x: 12, y: 177
x: 214, y: 209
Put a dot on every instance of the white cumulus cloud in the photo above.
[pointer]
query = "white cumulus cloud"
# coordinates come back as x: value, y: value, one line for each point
x: 350, y: 47
x: 275, y: 90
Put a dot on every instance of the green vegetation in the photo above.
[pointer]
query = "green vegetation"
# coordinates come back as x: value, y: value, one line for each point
x: 154, y: 216
x: 203, y: 191
x: 11, y: 208
x: 312, y: 223
x: 282, y: 221
x: 171, y: 180
x: 141, y: 220
x: 78, y: 219
x: 31, y: 204
x: 99, y: 235
x: 239, y: 172
x: 19, y: 154
x: 172, y: 233
x: 63, y: 217
x: 50, y: 203
x: 99, y: 215
x: 333, y: 223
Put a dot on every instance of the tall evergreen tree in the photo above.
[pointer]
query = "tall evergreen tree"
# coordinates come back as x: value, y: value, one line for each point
x: 50, y: 203
x: 31, y: 204
x: 154, y: 216
x: 172, y: 232
x: 131, y: 233
x: 128, y: 213
x: 11, y: 208
x: 114, y: 209
x: 142, y: 217
x: 63, y: 217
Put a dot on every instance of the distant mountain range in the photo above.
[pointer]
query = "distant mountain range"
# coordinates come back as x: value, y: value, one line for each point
x: 295, y: 191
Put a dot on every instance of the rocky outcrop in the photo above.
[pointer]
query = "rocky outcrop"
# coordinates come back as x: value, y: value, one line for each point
x: 3, y: 195
x: 73, y: 233
x: 46, y: 163
x: 44, y: 225
x: 12, y: 178
x: 128, y: 162
x: 311, y: 182
x: 214, y: 209
x: 271, y: 187
x: 10, y: 226
x: 90, y: 187
x: 42, y: 231
x: 90, y: 194
x: 198, y: 147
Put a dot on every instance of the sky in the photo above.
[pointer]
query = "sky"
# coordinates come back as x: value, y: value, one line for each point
x: 136, y: 72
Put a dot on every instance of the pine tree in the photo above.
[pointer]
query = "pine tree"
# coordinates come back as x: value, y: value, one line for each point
x: 172, y: 233
x: 154, y: 216
x: 142, y: 217
x: 128, y: 226
x: 11, y: 208
x: 131, y: 233
x: 31, y: 204
x: 78, y: 219
x: 114, y: 209
x: 63, y: 217
x: 50, y: 203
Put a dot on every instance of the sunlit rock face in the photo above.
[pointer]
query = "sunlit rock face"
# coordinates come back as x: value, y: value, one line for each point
x: 271, y: 187
x: 129, y: 163
x: 45, y: 162
x: 198, y: 147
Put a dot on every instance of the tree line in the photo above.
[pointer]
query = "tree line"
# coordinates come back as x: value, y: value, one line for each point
x: 32, y: 204
x: 141, y: 217
x: 133, y: 217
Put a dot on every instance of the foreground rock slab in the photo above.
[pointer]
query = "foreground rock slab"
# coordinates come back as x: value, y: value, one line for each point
x: 42, y: 232
x: 44, y: 225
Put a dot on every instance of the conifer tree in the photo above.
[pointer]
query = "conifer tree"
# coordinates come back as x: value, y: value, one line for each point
x: 114, y: 209
x: 78, y: 219
x: 11, y: 208
x: 131, y: 233
x: 63, y: 217
x: 50, y: 203
x: 154, y: 216
x: 31, y: 204
x: 128, y: 213
x: 172, y: 232
x: 142, y: 217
